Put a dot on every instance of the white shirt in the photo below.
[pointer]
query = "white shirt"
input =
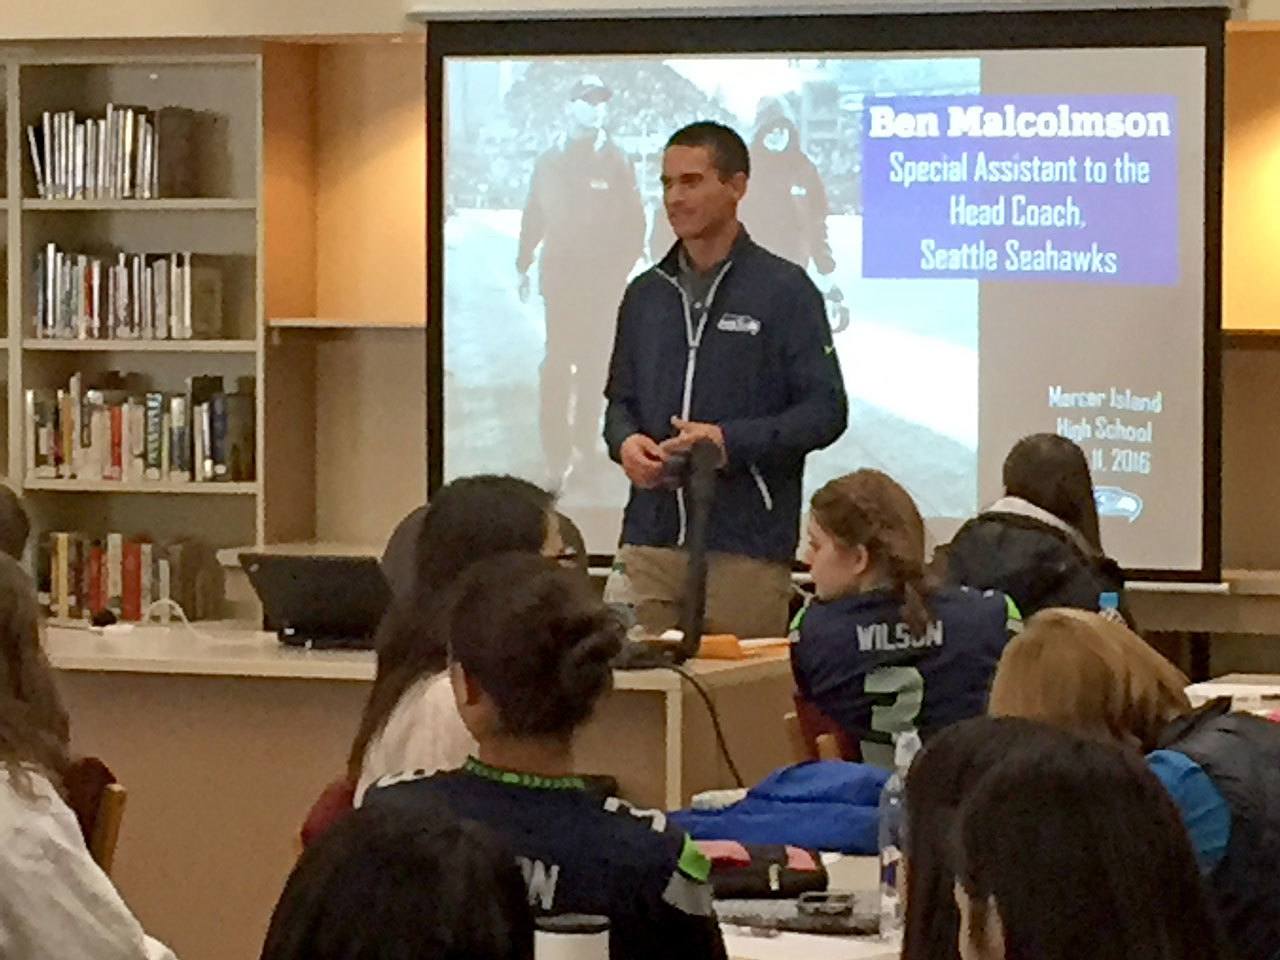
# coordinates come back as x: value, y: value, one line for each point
x: 424, y: 732
x: 55, y: 902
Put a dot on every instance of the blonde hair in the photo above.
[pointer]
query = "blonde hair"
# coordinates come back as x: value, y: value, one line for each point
x: 1092, y: 676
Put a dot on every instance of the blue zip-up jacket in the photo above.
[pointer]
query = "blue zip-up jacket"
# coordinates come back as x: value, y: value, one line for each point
x: 759, y: 363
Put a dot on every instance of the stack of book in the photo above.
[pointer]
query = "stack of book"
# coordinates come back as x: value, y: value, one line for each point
x: 123, y: 430
x: 78, y: 576
x: 133, y: 296
x: 130, y: 153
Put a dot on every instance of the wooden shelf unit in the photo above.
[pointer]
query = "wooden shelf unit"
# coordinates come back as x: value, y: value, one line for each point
x: 227, y: 224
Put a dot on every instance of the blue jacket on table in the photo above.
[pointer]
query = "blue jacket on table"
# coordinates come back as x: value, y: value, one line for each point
x: 857, y: 662
x: 759, y: 362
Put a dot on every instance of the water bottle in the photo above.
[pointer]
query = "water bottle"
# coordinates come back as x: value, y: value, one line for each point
x: 893, y: 835
x: 1109, y: 606
x: 619, y: 595
x: 571, y: 937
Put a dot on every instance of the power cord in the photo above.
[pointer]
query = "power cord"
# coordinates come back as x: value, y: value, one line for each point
x: 715, y: 720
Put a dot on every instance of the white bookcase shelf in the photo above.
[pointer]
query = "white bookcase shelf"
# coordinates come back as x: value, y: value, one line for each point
x: 140, y: 346
x: 143, y: 486
x: 179, y: 205
x: 225, y: 222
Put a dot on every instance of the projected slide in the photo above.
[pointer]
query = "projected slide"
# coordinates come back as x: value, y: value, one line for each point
x: 1007, y: 243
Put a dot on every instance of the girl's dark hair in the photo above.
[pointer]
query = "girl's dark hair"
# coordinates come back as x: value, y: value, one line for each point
x: 467, y: 520
x: 942, y: 776
x: 403, y: 885
x: 1052, y: 472
x: 34, y: 729
x: 871, y: 509
x: 536, y: 639
x: 1083, y: 854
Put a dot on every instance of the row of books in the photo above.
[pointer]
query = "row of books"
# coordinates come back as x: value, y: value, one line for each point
x: 131, y: 296
x: 123, y: 430
x: 78, y: 576
x: 129, y: 153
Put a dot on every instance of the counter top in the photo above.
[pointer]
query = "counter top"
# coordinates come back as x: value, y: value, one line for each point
x: 229, y: 649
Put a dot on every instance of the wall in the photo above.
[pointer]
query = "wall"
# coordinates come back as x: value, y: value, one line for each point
x: 371, y: 219
x: 1251, y: 228
x: 371, y: 439
x: 76, y: 19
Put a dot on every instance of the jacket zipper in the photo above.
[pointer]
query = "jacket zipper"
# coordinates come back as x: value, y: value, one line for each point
x: 693, y: 340
x: 765, y: 496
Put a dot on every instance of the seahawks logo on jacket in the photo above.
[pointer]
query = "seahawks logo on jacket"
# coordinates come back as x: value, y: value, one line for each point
x: 738, y: 323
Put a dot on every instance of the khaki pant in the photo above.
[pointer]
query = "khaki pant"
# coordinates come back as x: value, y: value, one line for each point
x: 745, y: 596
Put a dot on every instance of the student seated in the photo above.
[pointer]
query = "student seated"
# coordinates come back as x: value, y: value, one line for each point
x: 419, y: 884
x: 410, y: 721
x: 1039, y: 543
x: 529, y: 656
x: 883, y: 648
x: 1073, y: 850
x: 942, y: 776
x: 55, y: 902
x: 1095, y: 677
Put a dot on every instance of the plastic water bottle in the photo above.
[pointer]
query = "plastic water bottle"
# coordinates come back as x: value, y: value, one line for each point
x: 893, y: 835
x: 571, y: 937
x: 1109, y: 606
x: 619, y: 595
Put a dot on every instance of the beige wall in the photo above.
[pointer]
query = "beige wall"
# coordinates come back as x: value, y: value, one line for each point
x: 371, y: 433
x: 74, y: 19
x: 1251, y: 227
x: 371, y: 169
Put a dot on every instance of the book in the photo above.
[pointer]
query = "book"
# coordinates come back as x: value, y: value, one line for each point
x: 179, y: 440
x: 37, y: 167
x: 154, y: 436
x: 146, y: 587
x: 238, y: 448
x: 202, y: 296
x: 42, y: 432
x: 115, y: 573
x: 131, y: 580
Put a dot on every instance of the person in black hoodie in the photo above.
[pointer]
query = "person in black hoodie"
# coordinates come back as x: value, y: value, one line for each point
x: 1039, y: 543
x: 885, y: 649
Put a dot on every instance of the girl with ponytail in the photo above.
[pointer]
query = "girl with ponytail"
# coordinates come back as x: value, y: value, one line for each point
x: 884, y: 648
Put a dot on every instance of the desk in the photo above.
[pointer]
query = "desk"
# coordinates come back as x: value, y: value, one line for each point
x: 1250, y: 605
x: 225, y: 739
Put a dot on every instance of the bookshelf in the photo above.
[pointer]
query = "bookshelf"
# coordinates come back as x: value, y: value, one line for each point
x: 221, y: 225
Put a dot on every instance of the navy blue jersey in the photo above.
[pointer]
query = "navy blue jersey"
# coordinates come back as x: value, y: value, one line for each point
x: 584, y: 855
x: 857, y: 662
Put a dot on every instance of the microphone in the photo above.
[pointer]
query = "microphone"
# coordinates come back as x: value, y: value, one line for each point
x: 700, y: 488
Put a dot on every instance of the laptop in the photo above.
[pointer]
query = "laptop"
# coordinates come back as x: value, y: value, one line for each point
x: 319, y: 602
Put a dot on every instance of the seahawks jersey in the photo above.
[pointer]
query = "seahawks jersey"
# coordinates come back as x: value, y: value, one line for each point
x: 861, y: 665
x: 581, y: 854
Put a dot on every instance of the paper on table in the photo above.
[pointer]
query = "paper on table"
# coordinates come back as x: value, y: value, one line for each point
x: 804, y: 946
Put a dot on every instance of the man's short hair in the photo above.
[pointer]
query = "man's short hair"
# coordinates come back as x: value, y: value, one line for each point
x: 729, y: 154
x: 15, y: 526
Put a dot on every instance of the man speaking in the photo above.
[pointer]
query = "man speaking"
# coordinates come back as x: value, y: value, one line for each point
x: 722, y: 341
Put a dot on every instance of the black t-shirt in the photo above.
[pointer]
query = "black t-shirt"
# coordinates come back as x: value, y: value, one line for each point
x: 583, y: 855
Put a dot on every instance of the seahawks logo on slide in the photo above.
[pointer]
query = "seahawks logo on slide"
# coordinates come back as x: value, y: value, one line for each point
x: 1115, y: 502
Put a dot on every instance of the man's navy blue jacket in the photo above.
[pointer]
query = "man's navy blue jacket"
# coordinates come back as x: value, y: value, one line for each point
x: 759, y: 363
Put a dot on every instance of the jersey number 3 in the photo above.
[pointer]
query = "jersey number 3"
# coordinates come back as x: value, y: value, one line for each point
x: 906, y: 684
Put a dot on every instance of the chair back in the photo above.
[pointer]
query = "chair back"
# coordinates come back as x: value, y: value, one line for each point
x: 815, y: 736
x: 106, y: 826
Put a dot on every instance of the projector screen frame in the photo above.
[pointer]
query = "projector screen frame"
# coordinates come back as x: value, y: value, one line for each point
x: 1203, y: 27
